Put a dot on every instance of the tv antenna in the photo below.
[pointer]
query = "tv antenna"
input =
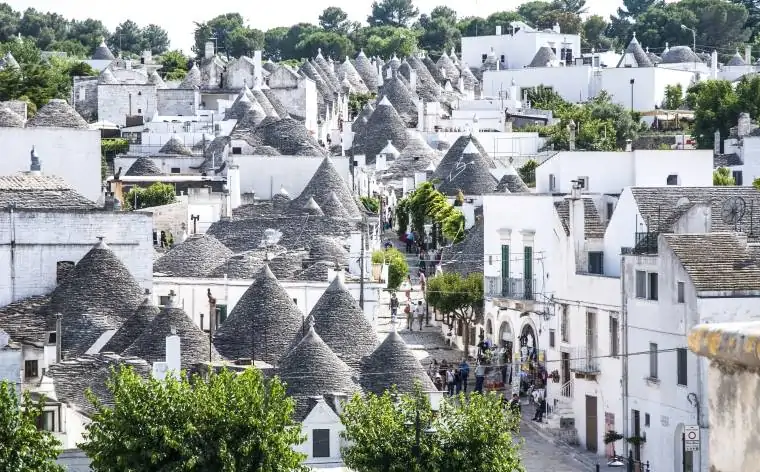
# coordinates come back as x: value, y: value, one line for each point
x: 733, y: 211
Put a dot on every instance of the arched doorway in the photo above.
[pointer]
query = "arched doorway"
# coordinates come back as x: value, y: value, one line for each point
x: 489, y: 330
x: 531, y: 369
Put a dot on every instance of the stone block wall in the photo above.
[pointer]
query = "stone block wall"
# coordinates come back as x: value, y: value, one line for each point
x: 733, y: 393
x: 117, y: 101
x: 178, y: 102
x: 84, y: 96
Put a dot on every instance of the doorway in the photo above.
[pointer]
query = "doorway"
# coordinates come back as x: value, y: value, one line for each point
x: 591, y: 424
x: 637, y: 433
x: 565, y: 363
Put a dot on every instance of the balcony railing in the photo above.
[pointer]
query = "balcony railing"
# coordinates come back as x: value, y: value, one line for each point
x: 510, y: 287
x: 584, y: 360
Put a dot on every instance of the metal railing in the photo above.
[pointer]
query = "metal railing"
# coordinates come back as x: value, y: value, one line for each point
x: 510, y: 287
x: 566, y: 390
x: 584, y: 360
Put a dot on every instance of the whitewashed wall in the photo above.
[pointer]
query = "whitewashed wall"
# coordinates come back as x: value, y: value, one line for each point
x: 265, y: 174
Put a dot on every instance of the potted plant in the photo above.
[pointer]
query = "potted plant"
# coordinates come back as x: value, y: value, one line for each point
x: 636, y: 440
x: 611, y: 437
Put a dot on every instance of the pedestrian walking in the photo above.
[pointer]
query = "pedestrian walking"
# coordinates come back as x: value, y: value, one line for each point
x: 450, y: 381
x: 458, y: 381
x: 540, y: 410
x: 423, y: 282
x: 480, y: 376
x: 409, y: 316
x: 394, y: 307
x: 464, y: 369
x: 420, y: 314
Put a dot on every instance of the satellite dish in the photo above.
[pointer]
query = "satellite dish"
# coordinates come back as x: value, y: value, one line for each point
x: 733, y: 210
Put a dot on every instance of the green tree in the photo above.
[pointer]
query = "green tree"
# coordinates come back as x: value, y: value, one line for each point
x: 426, y: 204
x: 385, y: 41
x: 228, y: 422
x: 398, y: 268
x: 220, y: 28
x: 473, y: 26
x: 357, y: 101
x: 156, y: 39
x: 593, y: 34
x: 673, y: 97
x: 756, y: 183
x: 243, y: 41
x: 460, y: 434
x: 748, y: 95
x: 715, y: 108
x: 533, y: 12
x: 289, y: 45
x: 72, y: 48
x: 157, y: 194
x: 439, y: 31
x: 528, y: 172
x: 23, y: 446
x: 88, y: 33
x: 334, y: 19
x: 273, y: 40
x: 392, y: 13
x: 175, y: 64
x: 461, y: 297
x: 722, y: 177
x: 127, y: 38
x: 576, y: 7
x: 332, y: 45
x: 9, y: 22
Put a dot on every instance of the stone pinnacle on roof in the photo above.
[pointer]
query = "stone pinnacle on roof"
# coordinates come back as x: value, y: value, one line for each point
x: 634, y: 55
x: 312, y: 368
x: 192, y: 80
x: 263, y: 324
x: 195, y: 345
x: 312, y: 208
x: 57, y: 113
x: 393, y: 364
x: 197, y: 256
x: 341, y: 324
x: 175, y: 146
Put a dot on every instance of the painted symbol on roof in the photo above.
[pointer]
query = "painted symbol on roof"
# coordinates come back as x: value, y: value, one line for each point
x: 459, y: 168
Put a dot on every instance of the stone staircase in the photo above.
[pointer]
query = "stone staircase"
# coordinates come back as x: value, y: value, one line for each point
x: 560, y: 421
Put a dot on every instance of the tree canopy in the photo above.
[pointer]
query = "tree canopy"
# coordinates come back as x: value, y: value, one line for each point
x: 382, y: 434
x: 157, y: 194
x: 23, y: 446
x: 460, y: 297
x: 227, y: 422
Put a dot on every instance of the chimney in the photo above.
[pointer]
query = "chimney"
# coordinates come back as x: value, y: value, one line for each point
x: 443, y: 73
x: 577, y: 224
x: 209, y: 50
x: 717, y: 143
x: 628, y: 145
x: 233, y: 181
x: 571, y: 131
x: 748, y: 54
x: 380, y: 162
x: 170, y: 301
x: 421, y: 115
x: 257, y: 79
x: 58, y: 333
x: 413, y: 80
x: 36, y: 167
x: 714, y: 65
x: 498, y: 30
x: 389, y: 73
x: 212, y: 312
x: 173, y: 352
x: 744, y: 124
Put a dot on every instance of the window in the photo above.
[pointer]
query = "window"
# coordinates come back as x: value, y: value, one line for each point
x: 652, y: 361
x: 652, y: 278
x: 680, y: 292
x: 175, y: 170
x: 737, y: 174
x: 641, y: 284
x: 610, y: 209
x: 565, y: 325
x: 52, y: 337
x: 237, y: 150
x: 30, y: 369
x: 614, y: 336
x: 221, y: 314
x: 590, y: 335
x: 139, y: 111
x: 552, y: 339
x: 320, y: 442
x: 672, y: 179
x: 681, y: 366
x: 163, y: 300
x: 483, y: 58
x: 596, y: 262
x: 473, y: 336
x: 139, y: 94
x: 583, y: 183
x: 46, y: 421
x: 646, y: 420
x: 505, y: 269
x: 528, y: 272
x: 63, y: 270
x: 503, y: 59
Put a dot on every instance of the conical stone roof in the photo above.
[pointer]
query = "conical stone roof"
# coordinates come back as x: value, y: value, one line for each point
x: 469, y: 79
x: 312, y: 208
x: 246, y: 126
x: 10, y: 119
x: 635, y: 54
x: 102, y: 53
x: 450, y: 159
x: 511, y: 182
x: 417, y: 156
x: 197, y: 256
x: 341, y: 323
x: 327, y: 180
x: 428, y: 89
x: 266, y: 105
x: 327, y: 71
x: 367, y: 71
x: 383, y: 125
x: 544, y: 57
x: 99, y: 295
x: 290, y: 137
x: 156, y: 80
x: 312, y: 368
x: 324, y: 248
x: 143, y: 166
x: 445, y: 63
x: 333, y: 208
x: 364, y: 115
x: 264, y: 322
x: 470, y: 175
x: 324, y: 91
x: 393, y: 363
x: 736, y: 60
x: 175, y: 146
x: 195, y: 345
x: 132, y: 328
x: 348, y: 72
x: 278, y: 106
x: 107, y: 77
x: 57, y: 113
x: 239, y: 108
x: 433, y: 69
x: 192, y: 80
x: 401, y: 99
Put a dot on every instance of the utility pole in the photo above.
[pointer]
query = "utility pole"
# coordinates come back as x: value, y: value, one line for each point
x: 361, y: 266
x: 195, y: 219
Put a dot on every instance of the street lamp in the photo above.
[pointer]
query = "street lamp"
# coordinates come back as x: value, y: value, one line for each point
x: 693, y: 37
x: 418, y: 431
x: 632, y: 82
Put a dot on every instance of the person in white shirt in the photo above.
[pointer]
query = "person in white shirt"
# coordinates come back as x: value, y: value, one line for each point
x: 419, y: 312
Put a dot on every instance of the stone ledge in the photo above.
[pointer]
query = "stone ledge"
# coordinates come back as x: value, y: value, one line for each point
x: 734, y: 343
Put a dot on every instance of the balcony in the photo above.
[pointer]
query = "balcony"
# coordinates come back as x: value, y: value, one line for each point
x: 510, y: 287
x: 584, y: 361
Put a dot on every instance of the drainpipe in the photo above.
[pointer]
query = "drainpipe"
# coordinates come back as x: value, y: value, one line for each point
x: 12, y: 215
x: 58, y: 334
x: 624, y: 314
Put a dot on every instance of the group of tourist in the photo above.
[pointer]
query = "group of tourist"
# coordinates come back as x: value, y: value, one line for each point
x: 451, y: 378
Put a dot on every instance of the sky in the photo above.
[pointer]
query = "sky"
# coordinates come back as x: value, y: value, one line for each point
x: 178, y: 17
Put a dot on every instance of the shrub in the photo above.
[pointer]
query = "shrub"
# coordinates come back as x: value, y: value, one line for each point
x: 397, y: 266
